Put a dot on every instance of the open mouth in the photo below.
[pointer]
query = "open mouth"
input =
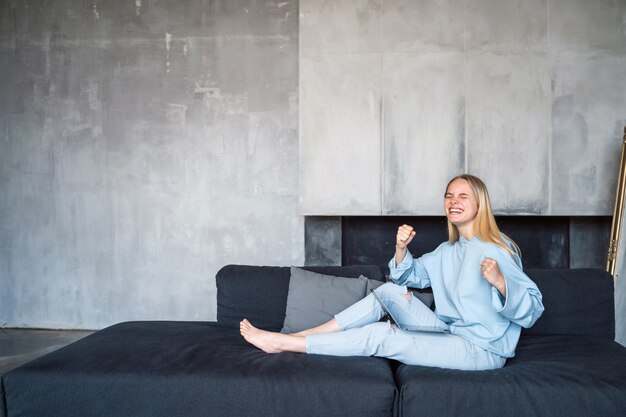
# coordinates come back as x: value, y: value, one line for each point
x: 455, y: 211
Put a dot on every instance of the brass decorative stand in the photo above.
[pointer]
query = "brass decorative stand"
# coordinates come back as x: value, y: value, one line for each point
x: 616, y: 227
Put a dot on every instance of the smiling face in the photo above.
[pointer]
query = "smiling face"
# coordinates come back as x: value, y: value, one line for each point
x: 461, y: 206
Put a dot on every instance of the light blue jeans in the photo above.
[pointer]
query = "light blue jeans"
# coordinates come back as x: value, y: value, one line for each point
x: 363, y: 335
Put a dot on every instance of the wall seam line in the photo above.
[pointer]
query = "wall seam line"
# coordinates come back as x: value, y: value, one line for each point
x: 382, y: 115
x: 465, y: 72
x: 550, y: 115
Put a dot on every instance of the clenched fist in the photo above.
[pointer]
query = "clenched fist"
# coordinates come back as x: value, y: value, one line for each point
x: 491, y: 274
x: 405, y: 236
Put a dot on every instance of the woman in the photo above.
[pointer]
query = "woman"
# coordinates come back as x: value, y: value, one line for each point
x: 482, y: 296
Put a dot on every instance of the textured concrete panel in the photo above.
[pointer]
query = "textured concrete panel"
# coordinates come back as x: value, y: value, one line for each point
x: 126, y: 22
x: 508, y: 108
x: 508, y: 26
x: 589, y: 241
x: 340, y: 139
x: 145, y: 145
x: 620, y: 308
x: 512, y: 51
x: 581, y: 24
x: 322, y: 244
x: 588, y: 119
x: 423, y: 26
x: 620, y: 291
x: 424, y: 130
x: 328, y: 26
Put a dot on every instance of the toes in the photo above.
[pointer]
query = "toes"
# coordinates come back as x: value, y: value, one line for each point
x: 245, y: 327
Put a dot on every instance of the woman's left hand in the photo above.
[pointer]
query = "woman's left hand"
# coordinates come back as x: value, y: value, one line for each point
x: 491, y: 274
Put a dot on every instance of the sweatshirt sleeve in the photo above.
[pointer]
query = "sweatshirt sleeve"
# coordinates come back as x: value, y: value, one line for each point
x: 523, y: 303
x: 410, y: 272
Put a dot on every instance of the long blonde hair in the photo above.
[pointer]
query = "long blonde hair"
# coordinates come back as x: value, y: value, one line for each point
x: 485, y: 226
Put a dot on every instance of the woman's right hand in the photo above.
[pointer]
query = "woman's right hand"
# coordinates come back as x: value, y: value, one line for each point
x: 405, y: 236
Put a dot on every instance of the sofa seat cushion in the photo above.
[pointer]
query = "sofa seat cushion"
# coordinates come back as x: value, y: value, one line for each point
x: 193, y: 369
x: 549, y: 376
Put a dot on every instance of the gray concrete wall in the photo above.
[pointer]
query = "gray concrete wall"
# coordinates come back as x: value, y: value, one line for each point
x: 143, y: 145
x: 528, y: 95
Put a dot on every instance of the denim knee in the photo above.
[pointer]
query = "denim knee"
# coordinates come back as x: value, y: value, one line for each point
x: 390, y: 289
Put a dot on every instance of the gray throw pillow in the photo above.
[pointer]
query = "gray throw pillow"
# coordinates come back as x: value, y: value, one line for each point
x: 314, y: 298
x: 372, y: 284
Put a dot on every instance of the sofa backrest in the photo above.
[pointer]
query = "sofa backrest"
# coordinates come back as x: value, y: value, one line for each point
x: 576, y: 301
x: 259, y: 293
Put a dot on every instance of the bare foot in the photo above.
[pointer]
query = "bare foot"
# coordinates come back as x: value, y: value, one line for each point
x: 264, y: 340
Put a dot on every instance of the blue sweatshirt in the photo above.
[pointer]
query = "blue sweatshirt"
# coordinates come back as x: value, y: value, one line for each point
x: 464, y: 300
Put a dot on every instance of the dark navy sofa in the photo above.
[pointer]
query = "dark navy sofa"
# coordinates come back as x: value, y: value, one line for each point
x: 566, y: 365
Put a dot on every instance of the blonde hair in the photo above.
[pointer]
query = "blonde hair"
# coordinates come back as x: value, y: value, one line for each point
x: 485, y: 226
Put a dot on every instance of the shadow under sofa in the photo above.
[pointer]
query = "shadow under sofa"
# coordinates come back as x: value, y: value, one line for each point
x: 566, y: 365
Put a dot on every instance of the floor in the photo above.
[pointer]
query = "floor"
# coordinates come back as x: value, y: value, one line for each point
x: 18, y: 346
